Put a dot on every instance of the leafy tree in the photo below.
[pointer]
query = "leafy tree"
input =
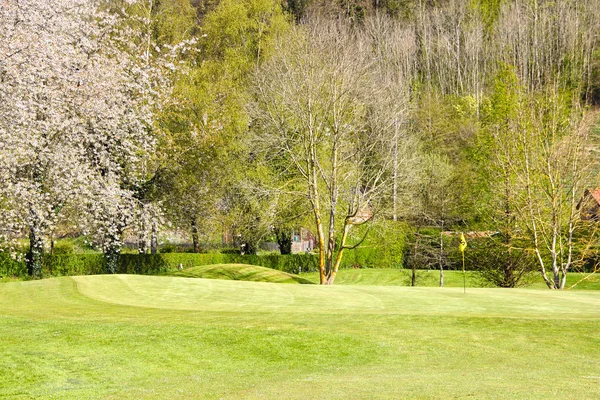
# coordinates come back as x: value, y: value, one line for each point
x: 204, y: 158
x: 314, y: 98
x: 76, y: 109
x: 502, y: 265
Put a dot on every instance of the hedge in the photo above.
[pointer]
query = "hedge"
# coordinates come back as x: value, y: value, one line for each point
x: 153, y: 264
x: 365, y: 257
x: 291, y: 263
x: 84, y: 264
x: 11, y: 267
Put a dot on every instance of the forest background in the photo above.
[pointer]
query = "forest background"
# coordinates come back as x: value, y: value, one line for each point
x: 385, y: 124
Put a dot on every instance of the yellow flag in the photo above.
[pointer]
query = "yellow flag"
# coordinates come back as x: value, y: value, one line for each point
x: 463, y: 243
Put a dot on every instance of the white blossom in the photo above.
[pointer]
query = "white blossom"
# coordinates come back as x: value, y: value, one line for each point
x: 77, y: 109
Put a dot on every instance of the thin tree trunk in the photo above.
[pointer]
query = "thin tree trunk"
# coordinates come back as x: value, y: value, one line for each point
x: 111, y: 255
x: 195, y: 242
x: 395, y: 177
x: 154, y: 239
x: 142, y: 248
x: 36, y: 252
x: 441, y: 256
x: 413, y: 278
x: 112, y: 251
x: 332, y: 214
x: 313, y: 194
x: 338, y: 259
x: 530, y: 201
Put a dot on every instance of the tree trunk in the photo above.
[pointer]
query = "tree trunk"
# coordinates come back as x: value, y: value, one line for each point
x: 441, y: 257
x: 142, y: 245
x: 413, y: 277
x: 36, y: 251
x: 313, y: 195
x: 338, y: 259
x: 249, y: 248
x: 154, y: 239
x: 321, y: 244
x: 195, y: 241
x: 112, y: 251
x: 284, y: 240
x: 111, y: 256
x: 395, y: 176
x: 563, y: 281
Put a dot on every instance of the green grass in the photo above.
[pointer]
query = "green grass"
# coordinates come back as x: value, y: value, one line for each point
x: 402, y: 277
x: 240, y: 272
x: 153, y: 337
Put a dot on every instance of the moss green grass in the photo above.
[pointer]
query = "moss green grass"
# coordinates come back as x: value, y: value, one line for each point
x: 152, y: 337
x: 240, y: 272
x: 402, y: 277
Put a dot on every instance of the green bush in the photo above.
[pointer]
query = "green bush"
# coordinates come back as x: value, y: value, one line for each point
x: 152, y: 264
x: 168, y: 248
x: 384, y: 247
x: 64, y: 248
x: 371, y: 257
x: 230, y: 250
x: 73, y: 264
x: 291, y: 263
x: 85, y: 264
x: 12, y: 267
x: 187, y: 260
x: 144, y: 264
x: 496, y: 262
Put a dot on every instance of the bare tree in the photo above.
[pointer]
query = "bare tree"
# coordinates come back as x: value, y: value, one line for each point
x: 394, y: 55
x: 553, y: 171
x: 318, y: 118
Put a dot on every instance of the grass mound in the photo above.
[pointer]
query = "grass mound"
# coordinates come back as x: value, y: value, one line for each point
x: 241, y: 272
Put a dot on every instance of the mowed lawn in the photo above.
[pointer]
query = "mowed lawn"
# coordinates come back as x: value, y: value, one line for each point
x: 142, y: 337
x: 431, y: 278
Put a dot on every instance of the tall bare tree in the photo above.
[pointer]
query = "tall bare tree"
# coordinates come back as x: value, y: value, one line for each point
x: 554, y: 169
x: 317, y: 102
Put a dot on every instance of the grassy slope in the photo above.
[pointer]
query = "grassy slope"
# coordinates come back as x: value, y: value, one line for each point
x: 137, y: 337
x: 240, y: 272
x: 401, y: 277
x: 371, y: 277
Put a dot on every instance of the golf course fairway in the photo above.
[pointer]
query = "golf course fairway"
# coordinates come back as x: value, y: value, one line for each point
x: 153, y: 337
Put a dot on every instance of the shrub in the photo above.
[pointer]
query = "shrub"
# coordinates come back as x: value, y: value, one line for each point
x: 500, y: 264
x: 145, y: 264
x: 73, y: 264
x: 12, y: 267
x: 187, y: 260
x: 230, y: 250
x: 152, y: 264
x: 63, y: 248
x: 384, y: 247
x: 168, y: 248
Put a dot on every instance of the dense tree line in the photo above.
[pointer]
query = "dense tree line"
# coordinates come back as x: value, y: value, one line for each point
x: 243, y: 120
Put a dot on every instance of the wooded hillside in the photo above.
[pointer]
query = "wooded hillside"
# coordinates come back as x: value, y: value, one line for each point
x: 242, y: 121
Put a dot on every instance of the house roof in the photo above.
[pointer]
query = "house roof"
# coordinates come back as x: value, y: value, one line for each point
x: 472, y: 235
x: 584, y: 202
x: 595, y: 194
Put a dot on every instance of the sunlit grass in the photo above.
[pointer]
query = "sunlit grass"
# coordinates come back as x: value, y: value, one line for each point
x: 240, y: 272
x: 431, y: 278
x: 142, y: 337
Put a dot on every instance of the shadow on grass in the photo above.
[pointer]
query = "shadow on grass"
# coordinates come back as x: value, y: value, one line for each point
x: 240, y: 272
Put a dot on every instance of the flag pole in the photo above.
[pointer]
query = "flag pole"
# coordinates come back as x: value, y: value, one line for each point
x: 464, y: 274
x: 462, y: 247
